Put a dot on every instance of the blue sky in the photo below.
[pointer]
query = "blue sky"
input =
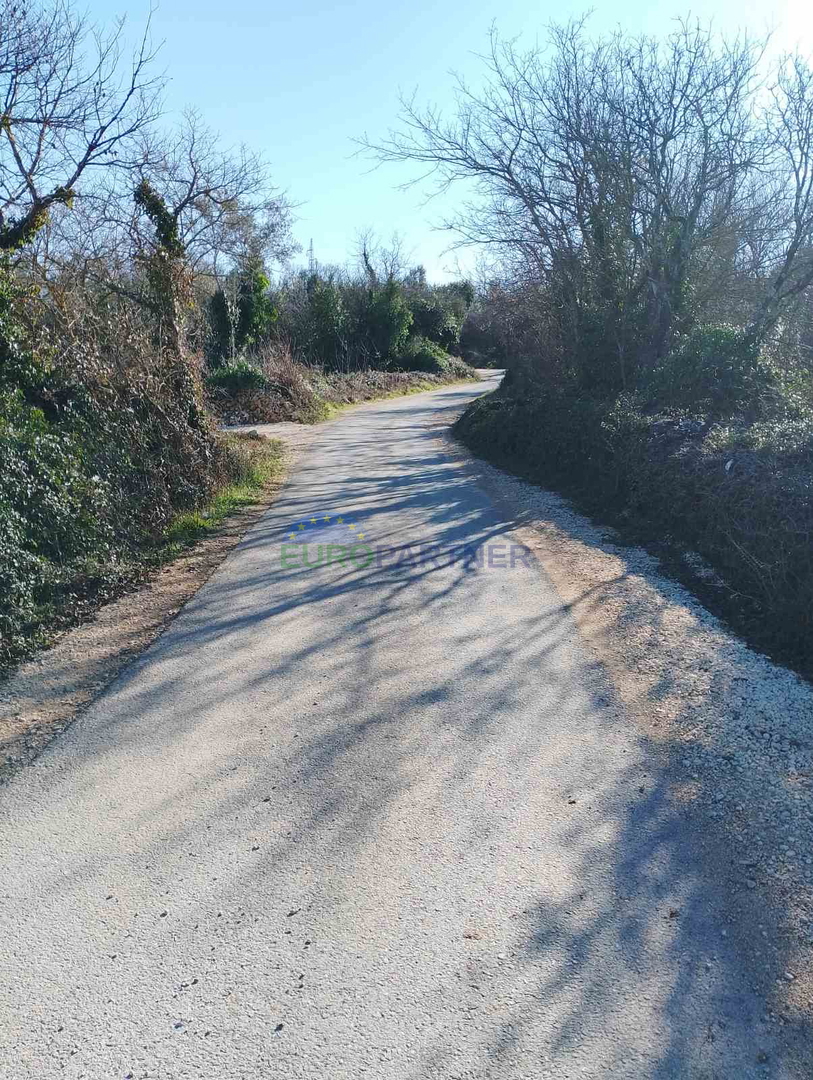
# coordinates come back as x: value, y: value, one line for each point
x: 300, y: 81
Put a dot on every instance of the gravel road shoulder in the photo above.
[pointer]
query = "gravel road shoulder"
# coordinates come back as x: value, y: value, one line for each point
x: 735, y: 729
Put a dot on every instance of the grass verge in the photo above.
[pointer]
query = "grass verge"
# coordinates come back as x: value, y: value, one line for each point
x: 259, y: 464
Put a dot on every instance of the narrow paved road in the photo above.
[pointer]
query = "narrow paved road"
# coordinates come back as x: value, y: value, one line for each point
x: 378, y: 817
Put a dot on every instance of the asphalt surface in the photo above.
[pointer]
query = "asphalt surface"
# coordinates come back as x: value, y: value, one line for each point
x: 379, y: 817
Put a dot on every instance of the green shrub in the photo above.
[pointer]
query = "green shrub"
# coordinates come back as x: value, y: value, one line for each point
x: 387, y: 321
x: 327, y: 323
x: 99, y: 451
x: 459, y: 369
x: 420, y: 354
x: 432, y: 321
x: 344, y: 323
x: 239, y: 377
x: 241, y: 322
x: 45, y: 481
x: 716, y: 370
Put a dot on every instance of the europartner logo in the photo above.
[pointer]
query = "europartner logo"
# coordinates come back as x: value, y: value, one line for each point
x: 326, y: 539
x: 320, y: 540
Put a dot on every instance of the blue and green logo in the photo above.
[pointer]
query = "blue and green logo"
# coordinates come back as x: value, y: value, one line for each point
x: 324, y: 539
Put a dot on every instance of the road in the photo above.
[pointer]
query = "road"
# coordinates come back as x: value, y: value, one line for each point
x: 377, y: 817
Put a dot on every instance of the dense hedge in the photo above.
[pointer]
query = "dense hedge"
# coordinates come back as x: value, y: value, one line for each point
x: 95, y: 462
x: 739, y: 494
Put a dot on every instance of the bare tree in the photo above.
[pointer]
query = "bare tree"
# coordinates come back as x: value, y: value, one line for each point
x: 224, y: 204
x: 381, y: 262
x: 69, y: 103
x: 633, y: 178
x: 791, y: 240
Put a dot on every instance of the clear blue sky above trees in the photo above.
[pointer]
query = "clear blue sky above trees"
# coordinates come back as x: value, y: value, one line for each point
x: 300, y: 81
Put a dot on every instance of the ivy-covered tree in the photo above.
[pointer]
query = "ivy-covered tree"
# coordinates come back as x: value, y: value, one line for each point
x: 389, y: 320
x: 165, y: 270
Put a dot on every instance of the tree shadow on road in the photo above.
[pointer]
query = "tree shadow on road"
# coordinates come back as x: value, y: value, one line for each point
x: 289, y: 720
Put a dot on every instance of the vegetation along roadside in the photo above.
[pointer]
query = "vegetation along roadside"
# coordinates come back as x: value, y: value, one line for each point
x: 653, y: 298
x: 147, y: 297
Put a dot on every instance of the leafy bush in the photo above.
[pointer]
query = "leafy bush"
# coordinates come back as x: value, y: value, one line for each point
x: 388, y: 321
x: 717, y: 370
x: 786, y: 437
x: 237, y: 377
x: 98, y: 453
x: 420, y: 354
x: 341, y: 322
x: 432, y: 321
x: 327, y: 324
x: 457, y: 368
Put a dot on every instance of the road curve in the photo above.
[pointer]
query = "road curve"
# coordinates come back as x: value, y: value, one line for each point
x: 375, y: 817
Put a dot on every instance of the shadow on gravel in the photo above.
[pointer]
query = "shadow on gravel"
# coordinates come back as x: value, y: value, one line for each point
x: 617, y: 956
